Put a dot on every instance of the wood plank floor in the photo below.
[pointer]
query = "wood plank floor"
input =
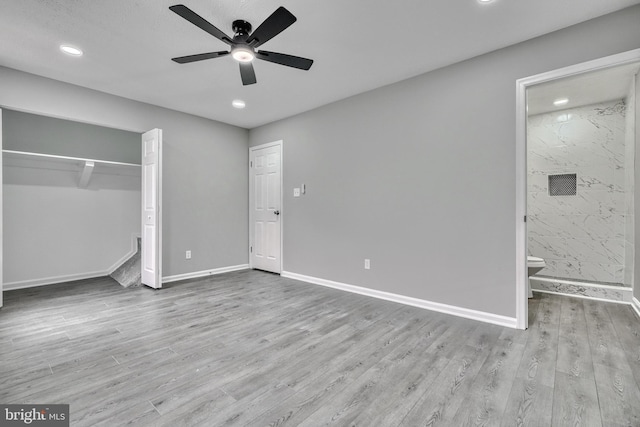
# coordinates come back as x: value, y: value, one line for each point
x: 252, y: 348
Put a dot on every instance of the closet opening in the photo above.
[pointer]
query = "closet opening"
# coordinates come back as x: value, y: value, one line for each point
x: 71, y: 201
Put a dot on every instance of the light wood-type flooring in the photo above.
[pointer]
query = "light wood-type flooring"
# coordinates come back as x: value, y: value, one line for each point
x: 252, y: 348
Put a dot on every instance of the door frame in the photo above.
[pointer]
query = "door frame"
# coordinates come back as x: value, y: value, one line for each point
x: 522, y: 315
x: 251, y: 198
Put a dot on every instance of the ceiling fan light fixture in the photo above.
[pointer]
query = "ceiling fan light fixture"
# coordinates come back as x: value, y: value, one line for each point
x: 242, y: 54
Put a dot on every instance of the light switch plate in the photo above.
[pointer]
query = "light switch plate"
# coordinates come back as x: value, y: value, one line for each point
x: 296, y: 192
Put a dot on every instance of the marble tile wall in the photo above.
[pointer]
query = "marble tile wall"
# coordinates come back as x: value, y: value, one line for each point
x: 581, y: 237
x: 609, y: 293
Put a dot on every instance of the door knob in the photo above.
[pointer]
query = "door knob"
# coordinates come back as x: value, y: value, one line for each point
x: 276, y: 212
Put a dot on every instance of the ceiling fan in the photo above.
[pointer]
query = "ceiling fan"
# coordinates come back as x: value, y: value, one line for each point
x: 244, y: 43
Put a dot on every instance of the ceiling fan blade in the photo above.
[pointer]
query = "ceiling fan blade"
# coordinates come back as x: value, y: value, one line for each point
x: 199, y: 57
x: 200, y: 22
x: 276, y: 23
x: 284, y: 59
x: 247, y: 73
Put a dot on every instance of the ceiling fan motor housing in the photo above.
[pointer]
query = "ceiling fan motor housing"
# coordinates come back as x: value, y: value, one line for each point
x: 242, y: 29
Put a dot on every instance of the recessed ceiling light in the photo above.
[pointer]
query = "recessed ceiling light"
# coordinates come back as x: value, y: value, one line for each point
x: 238, y: 103
x: 560, y: 101
x: 242, y: 54
x: 70, y: 50
x: 485, y: 1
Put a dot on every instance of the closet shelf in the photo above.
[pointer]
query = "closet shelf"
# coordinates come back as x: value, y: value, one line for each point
x: 28, y: 154
x: 85, y: 168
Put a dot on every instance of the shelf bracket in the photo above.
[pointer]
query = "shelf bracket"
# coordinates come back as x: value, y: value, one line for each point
x: 85, y: 174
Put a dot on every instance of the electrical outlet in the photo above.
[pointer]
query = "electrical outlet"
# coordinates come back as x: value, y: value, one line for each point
x: 367, y: 264
x: 296, y: 192
x: 187, y: 255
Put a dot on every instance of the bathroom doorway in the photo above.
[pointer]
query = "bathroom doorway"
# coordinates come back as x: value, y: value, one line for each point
x: 576, y: 180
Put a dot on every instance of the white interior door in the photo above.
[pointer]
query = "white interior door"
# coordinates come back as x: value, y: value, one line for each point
x: 265, y: 204
x: 151, y: 255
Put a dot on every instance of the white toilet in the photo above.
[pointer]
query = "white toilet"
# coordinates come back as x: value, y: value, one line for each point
x: 534, y: 265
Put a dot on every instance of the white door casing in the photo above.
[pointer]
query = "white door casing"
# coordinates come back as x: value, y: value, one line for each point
x: 265, y: 205
x: 521, y: 162
x: 151, y: 255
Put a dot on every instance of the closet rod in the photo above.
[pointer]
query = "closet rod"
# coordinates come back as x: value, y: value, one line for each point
x: 54, y: 156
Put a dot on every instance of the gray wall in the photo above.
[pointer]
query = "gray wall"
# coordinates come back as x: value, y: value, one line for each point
x: 48, y: 135
x: 59, y: 233
x: 419, y: 176
x: 205, y: 173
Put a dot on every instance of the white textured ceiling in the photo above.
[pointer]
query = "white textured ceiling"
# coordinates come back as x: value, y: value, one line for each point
x: 357, y: 45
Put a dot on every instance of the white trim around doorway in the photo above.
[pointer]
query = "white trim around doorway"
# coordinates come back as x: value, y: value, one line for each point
x: 521, y: 162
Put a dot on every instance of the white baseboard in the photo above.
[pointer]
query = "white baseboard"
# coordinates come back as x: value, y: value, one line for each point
x: 482, y: 316
x: 636, y: 305
x: 92, y: 275
x: 9, y: 286
x: 198, y: 274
